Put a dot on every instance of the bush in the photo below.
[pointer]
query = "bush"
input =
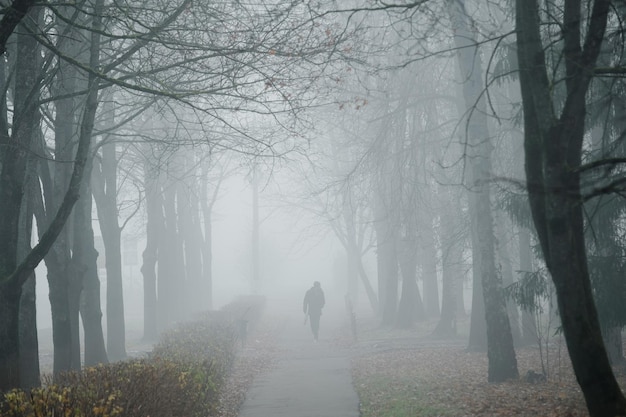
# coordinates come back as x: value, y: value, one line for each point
x: 182, y: 377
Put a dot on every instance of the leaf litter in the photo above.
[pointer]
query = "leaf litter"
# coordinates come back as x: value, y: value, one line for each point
x: 450, y: 381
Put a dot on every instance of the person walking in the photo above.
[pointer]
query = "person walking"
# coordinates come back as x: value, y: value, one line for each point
x: 313, y: 303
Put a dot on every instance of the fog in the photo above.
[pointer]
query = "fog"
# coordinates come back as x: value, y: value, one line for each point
x: 452, y: 168
x: 294, y: 253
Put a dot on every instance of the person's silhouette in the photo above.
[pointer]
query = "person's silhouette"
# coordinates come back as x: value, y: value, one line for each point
x: 313, y: 302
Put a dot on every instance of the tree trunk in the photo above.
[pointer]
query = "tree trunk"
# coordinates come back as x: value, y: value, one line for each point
x: 191, y: 255
x: 12, y: 18
x: 256, y: 230
x: 29, y: 343
x: 191, y: 239
x: 13, y: 277
x: 352, y: 249
x: 64, y: 324
x: 150, y: 253
x: 410, y: 308
x: 76, y: 271
x: 85, y: 259
x: 500, y: 350
x: 206, y: 205
x: 10, y: 294
x: 369, y: 290
x: 13, y: 164
x: 506, y: 267
x: 170, y: 272
x: 529, y: 326
x: 451, y: 261
x: 428, y: 252
x: 553, y: 147
x: 58, y: 281
x: 387, y: 263
x: 105, y: 195
x: 614, y: 346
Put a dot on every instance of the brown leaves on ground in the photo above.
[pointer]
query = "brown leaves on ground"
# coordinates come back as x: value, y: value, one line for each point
x: 448, y: 381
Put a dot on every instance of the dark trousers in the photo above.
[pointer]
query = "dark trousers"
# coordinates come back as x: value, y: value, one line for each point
x: 315, y: 324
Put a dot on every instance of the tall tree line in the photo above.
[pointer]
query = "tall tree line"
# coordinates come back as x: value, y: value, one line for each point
x: 140, y: 61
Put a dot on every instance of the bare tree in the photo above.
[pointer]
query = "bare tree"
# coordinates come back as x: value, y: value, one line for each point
x: 553, y: 140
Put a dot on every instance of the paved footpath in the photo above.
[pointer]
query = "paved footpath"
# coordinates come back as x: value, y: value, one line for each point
x: 310, y: 379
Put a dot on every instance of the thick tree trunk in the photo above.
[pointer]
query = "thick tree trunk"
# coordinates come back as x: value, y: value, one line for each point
x: 506, y: 267
x: 10, y: 294
x: 58, y: 281
x: 13, y: 277
x: 614, y: 345
x: 191, y: 239
x: 91, y: 311
x: 85, y: 258
x: 60, y: 277
x: 389, y: 275
x: 500, y: 350
x: 12, y: 18
x: 410, y: 308
x: 387, y: 263
x: 451, y: 262
x: 29, y: 342
x: 13, y: 164
x: 369, y: 290
x: 191, y: 236
x: 170, y: 272
x: 553, y: 149
x: 76, y: 271
x: 105, y: 195
x: 477, y: 341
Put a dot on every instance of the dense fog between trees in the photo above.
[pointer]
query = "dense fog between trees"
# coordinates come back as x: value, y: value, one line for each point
x: 421, y: 159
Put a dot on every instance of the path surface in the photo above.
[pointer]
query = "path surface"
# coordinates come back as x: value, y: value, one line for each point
x: 309, y: 379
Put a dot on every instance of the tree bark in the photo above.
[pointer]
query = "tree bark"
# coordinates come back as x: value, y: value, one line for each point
x: 387, y: 262
x: 206, y: 205
x: 190, y: 239
x: 529, y: 326
x: 85, y: 259
x: 150, y: 253
x: 29, y: 343
x: 14, y: 159
x: 10, y: 293
x: 105, y: 194
x: 553, y: 146
x: 506, y: 267
x: 500, y: 350
x: 451, y: 261
x: 428, y: 251
x: 12, y: 18
x: 170, y: 272
x: 11, y: 279
x: 410, y: 308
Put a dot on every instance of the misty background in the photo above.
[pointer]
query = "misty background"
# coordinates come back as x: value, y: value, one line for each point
x: 294, y: 253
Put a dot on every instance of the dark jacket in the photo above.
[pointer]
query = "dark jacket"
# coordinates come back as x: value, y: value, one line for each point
x: 314, y: 301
